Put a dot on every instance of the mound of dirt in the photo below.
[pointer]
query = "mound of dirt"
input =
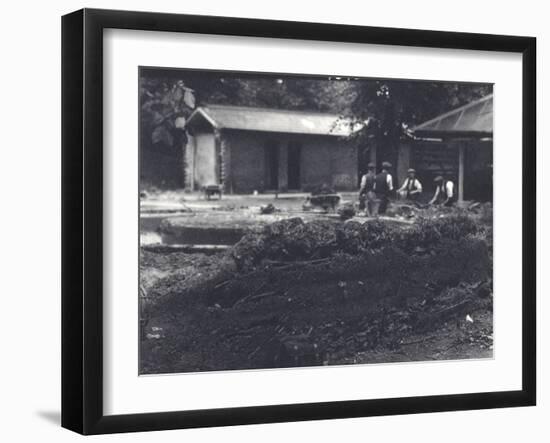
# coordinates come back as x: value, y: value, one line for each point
x: 295, y: 240
x: 302, y: 294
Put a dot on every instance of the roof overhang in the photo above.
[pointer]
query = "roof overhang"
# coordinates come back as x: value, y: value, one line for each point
x: 222, y: 117
x: 471, y: 121
x: 454, y: 135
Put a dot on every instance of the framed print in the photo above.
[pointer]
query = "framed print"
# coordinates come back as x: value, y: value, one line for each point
x: 270, y: 221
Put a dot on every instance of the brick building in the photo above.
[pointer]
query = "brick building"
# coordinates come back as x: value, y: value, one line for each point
x: 246, y: 149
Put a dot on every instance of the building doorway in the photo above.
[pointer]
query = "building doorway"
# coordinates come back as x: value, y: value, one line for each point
x: 272, y: 165
x: 294, y: 163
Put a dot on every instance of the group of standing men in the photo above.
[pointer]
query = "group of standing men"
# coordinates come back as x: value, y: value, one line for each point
x: 376, y: 189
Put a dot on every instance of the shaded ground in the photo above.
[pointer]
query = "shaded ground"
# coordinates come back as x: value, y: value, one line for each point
x: 323, y: 292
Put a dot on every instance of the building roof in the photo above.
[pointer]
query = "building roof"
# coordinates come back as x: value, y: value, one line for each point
x: 472, y: 120
x: 273, y: 120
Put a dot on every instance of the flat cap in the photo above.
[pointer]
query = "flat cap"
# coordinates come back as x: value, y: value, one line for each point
x: 371, y: 165
x: 411, y: 170
x: 438, y: 179
x: 386, y: 164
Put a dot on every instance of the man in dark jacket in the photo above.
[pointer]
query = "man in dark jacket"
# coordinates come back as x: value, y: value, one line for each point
x: 367, y: 197
x: 383, y: 186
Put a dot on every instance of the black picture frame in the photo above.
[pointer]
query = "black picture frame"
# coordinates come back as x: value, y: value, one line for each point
x: 82, y: 220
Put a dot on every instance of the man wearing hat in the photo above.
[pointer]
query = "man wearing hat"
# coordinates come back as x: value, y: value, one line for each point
x: 444, y: 192
x: 383, y: 185
x: 367, y: 197
x: 412, y: 188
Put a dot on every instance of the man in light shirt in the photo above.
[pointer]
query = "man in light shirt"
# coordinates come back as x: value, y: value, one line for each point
x: 444, y: 192
x: 412, y: 188
x: 383, y: 186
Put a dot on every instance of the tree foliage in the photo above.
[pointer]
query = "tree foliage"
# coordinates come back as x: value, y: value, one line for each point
x: 168, y: 97
x: 388, y: 105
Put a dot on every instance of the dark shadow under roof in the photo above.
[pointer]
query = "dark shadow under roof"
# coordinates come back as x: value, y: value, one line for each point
x: 273, y: 120
x: 472, y: 120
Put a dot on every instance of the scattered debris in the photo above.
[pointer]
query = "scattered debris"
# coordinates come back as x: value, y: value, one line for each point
x: 268, y: 209
x: 325, y: 201
x: 153, y: 336
x: 346, y: 211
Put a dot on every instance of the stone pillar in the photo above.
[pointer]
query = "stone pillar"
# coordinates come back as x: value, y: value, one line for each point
x: 189, y: 162
x: 226, y: 165
x: 461, y: 149
x: 218, y: 160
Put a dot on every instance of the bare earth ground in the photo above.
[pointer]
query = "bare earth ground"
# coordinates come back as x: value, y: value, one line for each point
x: 308, y: 295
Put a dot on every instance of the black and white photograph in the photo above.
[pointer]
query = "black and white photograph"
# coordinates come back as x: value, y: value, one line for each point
x: 320, y: 221
x: 297, y: 220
